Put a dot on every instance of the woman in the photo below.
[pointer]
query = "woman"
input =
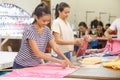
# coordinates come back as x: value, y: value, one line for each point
x: 35, y: 39
x: 99, y: 33
x: 100, y: 29
x: 83, y: 29
x: 62, y: 30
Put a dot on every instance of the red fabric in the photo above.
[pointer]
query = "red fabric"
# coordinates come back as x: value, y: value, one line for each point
x: 113, y: 32
x: 42, y: 71
x: 83, y: 48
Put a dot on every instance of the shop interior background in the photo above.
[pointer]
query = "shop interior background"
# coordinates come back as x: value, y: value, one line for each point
x: 81, y: 10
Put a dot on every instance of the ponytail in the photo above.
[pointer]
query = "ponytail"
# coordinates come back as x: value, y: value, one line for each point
x: 41, y: 10
x: 56, y: 11
x: 60, y: 7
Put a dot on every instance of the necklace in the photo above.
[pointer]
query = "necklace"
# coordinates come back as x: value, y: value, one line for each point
x: 39, y: 30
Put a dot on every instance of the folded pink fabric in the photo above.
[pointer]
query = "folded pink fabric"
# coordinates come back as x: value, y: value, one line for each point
x: 42, y: 71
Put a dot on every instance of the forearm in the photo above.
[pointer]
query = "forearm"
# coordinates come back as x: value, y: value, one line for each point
x: 42, y: 55
x: 69, y: 42
x: 65, y: 42
x: 107, y: 34
x: 59, y: 52
x: 64, y: 57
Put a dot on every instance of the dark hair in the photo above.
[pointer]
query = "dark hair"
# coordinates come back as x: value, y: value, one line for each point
x: 99, y: 23
x: 60, y: 7
x: 83, y: 24
x: 94, y: 23
x: 41, y: 10
x: 108, y: 24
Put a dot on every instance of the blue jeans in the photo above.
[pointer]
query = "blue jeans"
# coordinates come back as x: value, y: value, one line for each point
x: 67, y: 54
x: 17, y: 66
x: 76, y: 47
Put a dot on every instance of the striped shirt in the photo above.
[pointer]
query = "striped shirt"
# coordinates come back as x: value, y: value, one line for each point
x: 25, y: 55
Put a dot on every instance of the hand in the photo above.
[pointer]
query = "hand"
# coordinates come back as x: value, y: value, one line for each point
x: 79, y: 40
x: 88, y: 38
x: 109, y: 38
x: 70, y: 65
x: 64, y: 64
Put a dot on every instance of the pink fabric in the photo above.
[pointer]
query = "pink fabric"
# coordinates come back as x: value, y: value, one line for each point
x: 42, y: 71
x: 113, y: 46
x: 83, y: 48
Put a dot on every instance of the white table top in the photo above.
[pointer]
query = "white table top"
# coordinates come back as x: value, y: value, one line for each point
x: 7, y: 59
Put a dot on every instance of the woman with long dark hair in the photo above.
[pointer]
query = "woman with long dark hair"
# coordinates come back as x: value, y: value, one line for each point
x: 35, y: 39
x: 62, y: 30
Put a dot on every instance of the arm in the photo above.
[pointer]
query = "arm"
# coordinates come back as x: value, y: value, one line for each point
x: 65, y: 42
x: 42, y: 55
x: 107, y: 34
x: 58, y: 51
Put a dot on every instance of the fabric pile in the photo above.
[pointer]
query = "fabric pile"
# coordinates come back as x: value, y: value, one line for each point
x: 111, y: 48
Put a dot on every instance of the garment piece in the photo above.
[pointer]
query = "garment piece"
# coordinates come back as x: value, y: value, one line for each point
x: 42, y: 71
x: 83, y: 48
x: 113, y: 46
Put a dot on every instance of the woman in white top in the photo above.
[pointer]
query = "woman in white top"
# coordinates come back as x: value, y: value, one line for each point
x: 62, y: 30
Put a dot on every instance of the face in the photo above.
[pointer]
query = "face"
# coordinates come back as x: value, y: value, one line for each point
x: 106, y: 27
x: 65, y: 13
x: 99, y: 28
x: 44, y: 20
x: 82, y: 29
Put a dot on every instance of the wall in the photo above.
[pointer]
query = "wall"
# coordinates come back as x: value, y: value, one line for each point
x: 79, y: 8
x: 27, y: 5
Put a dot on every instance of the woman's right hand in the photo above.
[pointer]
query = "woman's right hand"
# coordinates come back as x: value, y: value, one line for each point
x: 64, y: 64
x: 79, y: 40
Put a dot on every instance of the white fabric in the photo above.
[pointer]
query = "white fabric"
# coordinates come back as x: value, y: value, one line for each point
x: 7, y: 59
x: 65, y: 31
x: 116, y: 26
